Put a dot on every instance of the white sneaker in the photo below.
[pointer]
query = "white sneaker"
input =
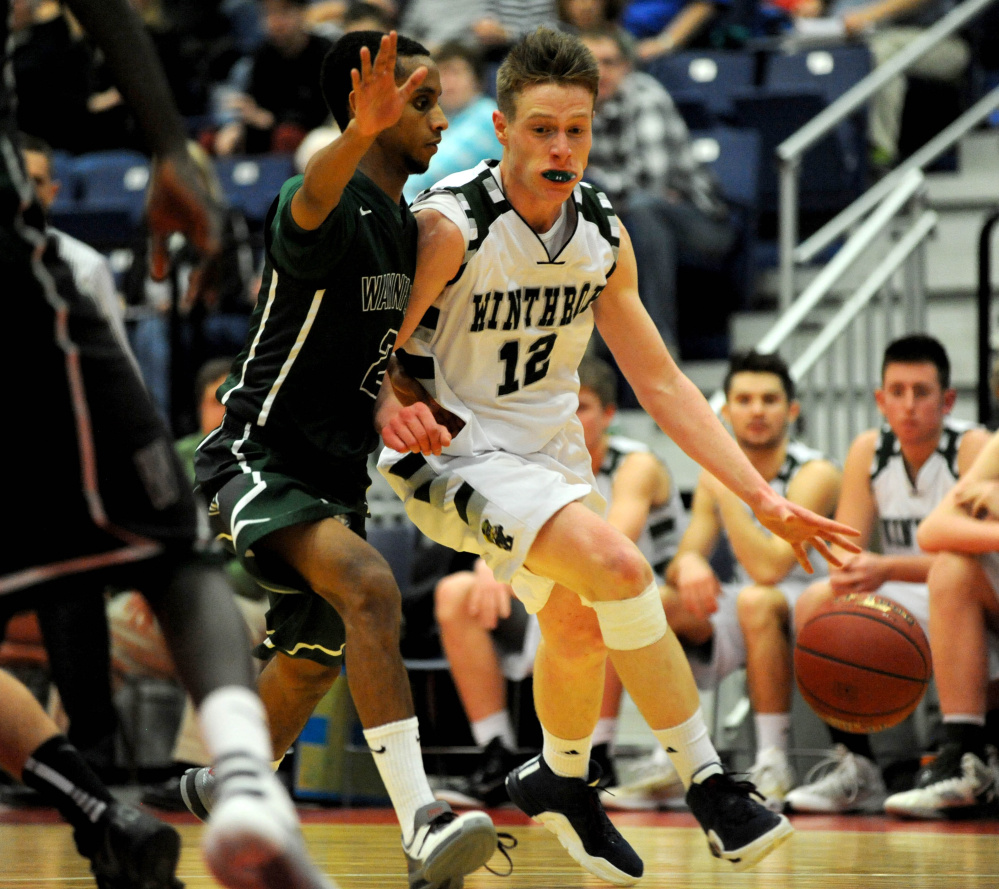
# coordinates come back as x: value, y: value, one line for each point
x: 955, y: 784
x: 652, y: 782
x: 253, y: 839
x: 773, y: 776
x: 446, y: 847
x: 842, y: 782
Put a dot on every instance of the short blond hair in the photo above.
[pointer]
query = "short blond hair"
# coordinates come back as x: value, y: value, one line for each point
x: 545, y: 56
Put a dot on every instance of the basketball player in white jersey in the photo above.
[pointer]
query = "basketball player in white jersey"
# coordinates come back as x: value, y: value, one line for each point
x: 486, y: 634
x: 747, y: 621
x: 893, y: 477
x: 517, y: 259
x: 964, y: 615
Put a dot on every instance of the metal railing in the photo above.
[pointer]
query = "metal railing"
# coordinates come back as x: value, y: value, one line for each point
x: 835, y: 348
x: 791, y: 151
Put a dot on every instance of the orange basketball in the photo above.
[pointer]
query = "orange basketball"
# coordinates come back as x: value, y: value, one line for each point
x: 862, y: 662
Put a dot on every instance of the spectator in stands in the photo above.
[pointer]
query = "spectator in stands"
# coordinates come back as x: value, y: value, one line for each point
x: 893, y: 477
x: 53, y: 72
x: 963, y: 530
x: 748, y: 621
x: 486, y: 633
x: 584, y: 15
x: 492, y: 24
x: 665, y: 26
x: 362, y: 16
x: 111, y: 120
x: 642, y: 158
x: 887, y: 28
x: 470, y: 135
x: 64, y: 255
x: 281, y: 101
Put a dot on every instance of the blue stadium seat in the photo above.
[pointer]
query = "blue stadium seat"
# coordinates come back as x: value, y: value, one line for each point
x: 251, y: 182
x: 706, y: 77
x: 830, y: 72
x: 733, y: 156
x: 831, y: 171
x: 111, y: 197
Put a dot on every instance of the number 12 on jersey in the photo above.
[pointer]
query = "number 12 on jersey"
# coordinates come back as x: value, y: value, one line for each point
x: 535, y: 364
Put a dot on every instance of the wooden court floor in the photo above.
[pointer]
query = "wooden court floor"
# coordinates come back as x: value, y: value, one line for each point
x: 360, y: 849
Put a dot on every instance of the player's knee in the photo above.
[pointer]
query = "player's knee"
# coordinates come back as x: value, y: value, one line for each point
x: 306, y: 677
x: 623, y: 573
x: 811, y: 601
x: 953, y: 581
x: 760, y: 606
x: 633, y: 623
x: 367, y: 597
x: 451, y: 598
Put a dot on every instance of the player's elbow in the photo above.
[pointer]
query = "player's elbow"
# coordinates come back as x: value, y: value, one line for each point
x: 928, y: 536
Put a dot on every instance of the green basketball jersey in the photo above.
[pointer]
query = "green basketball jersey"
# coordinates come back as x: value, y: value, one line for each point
x: 330, y: 305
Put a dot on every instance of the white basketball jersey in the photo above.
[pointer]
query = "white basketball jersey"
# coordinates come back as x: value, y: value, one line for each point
x: 902, y: 504
x: 798, y: 454
x: 666, y: 523
x: 501, y: 345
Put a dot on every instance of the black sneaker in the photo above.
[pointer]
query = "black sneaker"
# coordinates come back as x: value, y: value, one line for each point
x: 739, y: 829
x: 134, y: 851
x: 488, y: 782
x: 166, y: 796
x: 570, y: 809
x: 600, y: 754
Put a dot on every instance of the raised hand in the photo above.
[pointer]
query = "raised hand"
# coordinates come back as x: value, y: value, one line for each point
x: 178, y: 200
x: 378, y: 101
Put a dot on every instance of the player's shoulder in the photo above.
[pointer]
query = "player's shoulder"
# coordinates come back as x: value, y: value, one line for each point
x: 865, y: 443
x: 459, y: 182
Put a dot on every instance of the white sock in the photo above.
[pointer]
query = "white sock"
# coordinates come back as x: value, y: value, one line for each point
x: 968, y: 718
x: 772, y: 730
x: 396, y: 749
x: 495, y: 725
x: 690, y: 749
x: 233, y: 720
x: 569, y: 759
x: 606, y: 730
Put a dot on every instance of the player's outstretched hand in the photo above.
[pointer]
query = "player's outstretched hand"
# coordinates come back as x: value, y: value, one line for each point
x: 801, y: 527
x: 413, y: 428
x: 178, y: 200
x: 378, y: 100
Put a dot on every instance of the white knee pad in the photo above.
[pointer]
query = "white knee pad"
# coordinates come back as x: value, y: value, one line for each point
x: 629, y: 624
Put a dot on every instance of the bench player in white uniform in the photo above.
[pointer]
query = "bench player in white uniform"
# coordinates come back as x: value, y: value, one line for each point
x: 516, y: 261
x: 893, y: 477
x: 747, y: 621
x: 964, y: 615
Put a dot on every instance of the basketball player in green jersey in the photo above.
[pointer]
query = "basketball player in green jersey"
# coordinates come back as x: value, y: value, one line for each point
x: 286, y: 471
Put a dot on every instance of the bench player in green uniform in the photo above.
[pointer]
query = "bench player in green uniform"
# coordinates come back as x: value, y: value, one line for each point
x: 287, y: 470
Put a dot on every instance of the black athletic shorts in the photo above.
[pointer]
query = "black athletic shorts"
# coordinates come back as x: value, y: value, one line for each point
x: 91, y: 479
x: 263, y: 495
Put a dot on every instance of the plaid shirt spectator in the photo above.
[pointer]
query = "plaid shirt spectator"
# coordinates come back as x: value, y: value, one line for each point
x: 640, y: 143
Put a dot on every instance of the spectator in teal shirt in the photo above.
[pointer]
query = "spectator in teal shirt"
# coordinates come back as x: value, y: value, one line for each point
x: 470, y: 135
